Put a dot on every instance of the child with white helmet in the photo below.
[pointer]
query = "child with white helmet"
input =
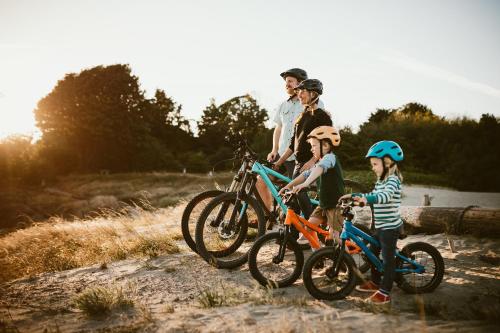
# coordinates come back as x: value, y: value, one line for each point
x: 386, y: 200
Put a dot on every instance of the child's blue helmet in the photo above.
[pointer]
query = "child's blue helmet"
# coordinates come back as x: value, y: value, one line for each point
x: 386, y: 148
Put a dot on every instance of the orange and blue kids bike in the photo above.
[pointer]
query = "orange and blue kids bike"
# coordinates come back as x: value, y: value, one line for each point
x: 419, y: 265
x: 276, y: 259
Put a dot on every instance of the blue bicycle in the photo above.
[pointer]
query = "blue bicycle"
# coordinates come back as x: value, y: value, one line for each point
x: 222, y: 235
x: 419, y: 265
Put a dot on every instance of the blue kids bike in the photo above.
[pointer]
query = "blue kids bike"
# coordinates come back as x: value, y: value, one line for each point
x: 419, y: 265
x: 222, y: 235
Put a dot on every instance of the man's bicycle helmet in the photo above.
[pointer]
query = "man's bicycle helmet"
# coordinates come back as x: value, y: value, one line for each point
x: 297, y: 73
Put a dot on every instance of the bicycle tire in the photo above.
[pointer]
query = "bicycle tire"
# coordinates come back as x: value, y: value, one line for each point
x: 256, y: 266
x: 228, y: 257
x: 311, y: 278
x: 190, y: 216
x: 406, y: 281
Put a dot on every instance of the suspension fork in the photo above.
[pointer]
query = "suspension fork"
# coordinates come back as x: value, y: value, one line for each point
x: 238, y: 177
x: 338, y: 257
x: 285, y: 234
x: 241, y: 194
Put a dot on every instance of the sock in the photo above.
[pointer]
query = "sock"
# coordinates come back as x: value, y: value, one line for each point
x: 384, y: 292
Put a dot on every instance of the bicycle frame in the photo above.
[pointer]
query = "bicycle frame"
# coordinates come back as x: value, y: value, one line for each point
x: 299, y: 221
x: 350, y: 232
x: 264, y: 172
x: 250, y: 177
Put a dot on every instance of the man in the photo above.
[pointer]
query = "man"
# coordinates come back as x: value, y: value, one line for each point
x: 284, y: 118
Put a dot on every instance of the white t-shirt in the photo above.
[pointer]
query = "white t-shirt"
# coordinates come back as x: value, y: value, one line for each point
x: 285, y: 115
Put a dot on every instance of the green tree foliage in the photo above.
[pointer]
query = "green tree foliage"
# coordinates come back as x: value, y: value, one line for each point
x: 463, y: 150
x: 97, y: 115
x: 100, y: 119
x: 18, y: 159
x: 220, y: 125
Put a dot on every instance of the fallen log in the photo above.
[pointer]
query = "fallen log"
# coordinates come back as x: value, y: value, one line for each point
x: 472, y: 220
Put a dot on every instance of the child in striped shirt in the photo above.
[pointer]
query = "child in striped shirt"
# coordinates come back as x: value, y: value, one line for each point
x: 386, y: 200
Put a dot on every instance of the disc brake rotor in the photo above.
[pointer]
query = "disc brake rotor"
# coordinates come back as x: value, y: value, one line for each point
x: 224, y: 233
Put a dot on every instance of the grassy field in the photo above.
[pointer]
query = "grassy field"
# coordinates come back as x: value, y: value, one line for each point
x: 88, y: 219
x: 59, y: 244
x: 83, y: 196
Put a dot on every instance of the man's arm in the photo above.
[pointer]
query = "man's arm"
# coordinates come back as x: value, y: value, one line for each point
x: 284, y: 157
x: 276, y: 143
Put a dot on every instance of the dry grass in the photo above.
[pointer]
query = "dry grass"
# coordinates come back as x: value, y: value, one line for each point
x: 100, y: 301
x: 111, y: 235
x: 271, y: 296
x: 224, y: 295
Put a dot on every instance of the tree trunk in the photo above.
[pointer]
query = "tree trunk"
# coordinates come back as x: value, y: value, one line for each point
x: 453, y: 220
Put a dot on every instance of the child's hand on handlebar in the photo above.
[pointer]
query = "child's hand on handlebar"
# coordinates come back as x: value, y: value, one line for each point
x: 360, y: 200
x: 298, y: 188
x: 345, y: 197
x: 283, y: 190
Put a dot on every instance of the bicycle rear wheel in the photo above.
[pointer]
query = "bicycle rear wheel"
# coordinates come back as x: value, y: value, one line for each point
x: 427, y: 256
x: 222, y: 235
x: 267, y: 269
x: 191, y: 214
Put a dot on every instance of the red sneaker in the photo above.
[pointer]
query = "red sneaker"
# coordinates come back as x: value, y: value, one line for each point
x: 379, y: 298
x: 368, y: 287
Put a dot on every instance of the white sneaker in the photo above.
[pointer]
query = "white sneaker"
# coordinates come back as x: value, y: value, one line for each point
x: 302, y: 239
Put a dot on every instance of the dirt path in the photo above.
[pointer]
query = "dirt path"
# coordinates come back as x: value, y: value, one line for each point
x: 167, y: 291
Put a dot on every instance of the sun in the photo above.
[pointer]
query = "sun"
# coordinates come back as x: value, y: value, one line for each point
x: 16, y: 122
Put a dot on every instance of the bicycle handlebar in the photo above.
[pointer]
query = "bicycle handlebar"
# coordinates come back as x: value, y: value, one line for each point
x: 350, y: 203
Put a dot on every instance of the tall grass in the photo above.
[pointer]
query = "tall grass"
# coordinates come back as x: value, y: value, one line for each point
x: 112, y: 235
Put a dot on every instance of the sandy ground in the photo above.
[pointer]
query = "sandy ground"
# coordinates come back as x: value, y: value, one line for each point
x: 167, y: 290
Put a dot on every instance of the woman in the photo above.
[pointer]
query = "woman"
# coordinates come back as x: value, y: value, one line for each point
x: 308, y: 92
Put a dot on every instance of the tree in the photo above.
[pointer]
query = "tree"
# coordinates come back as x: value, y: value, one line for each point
x: 100, y: 119
x: 97, y: 114
x: 239, y: 116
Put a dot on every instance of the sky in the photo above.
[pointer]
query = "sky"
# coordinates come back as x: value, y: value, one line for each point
x: 368, y: 54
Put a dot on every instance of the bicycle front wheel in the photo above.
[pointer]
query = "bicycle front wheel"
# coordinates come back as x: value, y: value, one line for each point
x: 222, y: 235
x: 320, y: 280
x: 267, y: 268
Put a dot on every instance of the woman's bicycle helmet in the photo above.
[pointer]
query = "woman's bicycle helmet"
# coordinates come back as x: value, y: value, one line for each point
x: 311, y: 85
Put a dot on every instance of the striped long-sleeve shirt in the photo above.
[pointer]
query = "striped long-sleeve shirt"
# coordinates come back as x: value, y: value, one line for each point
x: 386, y: 200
